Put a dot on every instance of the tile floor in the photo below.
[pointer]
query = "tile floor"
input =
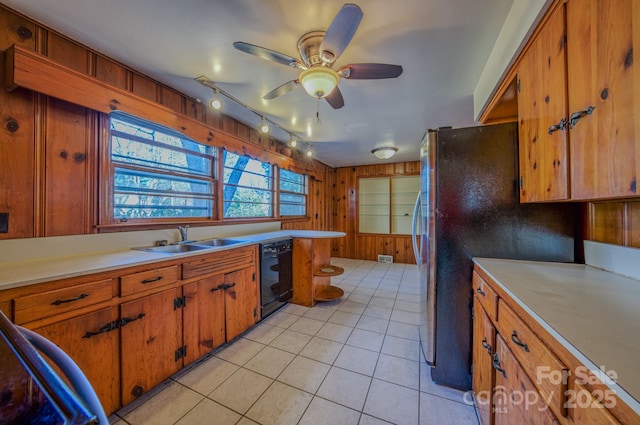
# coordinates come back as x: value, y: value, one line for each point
x: 352, y: 361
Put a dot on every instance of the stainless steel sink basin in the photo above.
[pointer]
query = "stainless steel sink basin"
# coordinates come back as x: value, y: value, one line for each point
x: 217, y: 242
x: 174, y: 249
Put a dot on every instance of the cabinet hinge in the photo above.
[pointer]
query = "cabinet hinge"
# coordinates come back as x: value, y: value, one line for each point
x: 473, y: 313
x: 180, y: 352
x: 520, y: 182
x: 179, y: 302
x: 253, y: 277
x: 518, y: 85
x: 255, y: 313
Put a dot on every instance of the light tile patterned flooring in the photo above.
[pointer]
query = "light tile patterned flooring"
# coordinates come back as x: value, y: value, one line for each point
x: 352, y: 361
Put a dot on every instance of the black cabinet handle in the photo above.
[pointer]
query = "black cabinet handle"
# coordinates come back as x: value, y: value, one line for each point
x: 79, y: 297
x: 111, y: 326
x: 575, y: 117
x: 516, y: 340
x: 127, y: 320
x: 230, y: 286
x: 217, y: 288
x: 481, y: 292
x: 560, y: 126
x: 497, y: 366
x: 155, y: 279
x: 486, y: 345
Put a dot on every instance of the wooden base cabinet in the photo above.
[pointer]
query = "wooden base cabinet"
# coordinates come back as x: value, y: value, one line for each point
x: 241, y: 301
x: 515, y: 399
x: 483, y: 349
x: 151, y: 344
x: 523, y: 375
x: 93, y: 343
x: 203, y: 317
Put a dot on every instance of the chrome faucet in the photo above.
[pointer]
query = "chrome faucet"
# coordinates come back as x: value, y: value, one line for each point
x: 183, y: 232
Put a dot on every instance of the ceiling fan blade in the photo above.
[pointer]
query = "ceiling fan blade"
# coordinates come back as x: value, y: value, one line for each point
x: 335, y: 99
x: 270, y: 55
x: 283, y: 89
x: 369, y: 71
x: 340, y: 32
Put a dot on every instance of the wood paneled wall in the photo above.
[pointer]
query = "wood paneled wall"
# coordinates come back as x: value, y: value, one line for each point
x: 344, y: 207
x: 49, y: 148
x: 615, y: 222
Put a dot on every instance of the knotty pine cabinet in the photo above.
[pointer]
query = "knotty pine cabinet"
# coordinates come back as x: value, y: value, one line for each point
x: 522, y: 375
x: 579, y: 104
x: 151, y: 341
x: 130, y: 329
x: 92, y: 340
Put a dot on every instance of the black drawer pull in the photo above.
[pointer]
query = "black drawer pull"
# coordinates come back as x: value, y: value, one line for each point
x: 486, y: 345
x: 111, y: 326
x: 217, y: 288
x: 155, y: 279
x: 560, y: 126
x: 127, y: 320
x: 575, y: 117
x: 481, y: 292
x: 497, y: 366
x: 79, y: 297
x: 516, y: 340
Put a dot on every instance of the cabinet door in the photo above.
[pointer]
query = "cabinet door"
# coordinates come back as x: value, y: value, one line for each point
x: 151, y: 333
x: 241, y: 301
x: 516, y: 400
x: 203, y: 317
x: 542, y: 104
x: 605, y: 151
x: 94, y: 345
x: 483, y: 349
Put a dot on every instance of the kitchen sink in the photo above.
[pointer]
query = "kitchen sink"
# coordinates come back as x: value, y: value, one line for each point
x: 174, y: 249
x: 217, y: 242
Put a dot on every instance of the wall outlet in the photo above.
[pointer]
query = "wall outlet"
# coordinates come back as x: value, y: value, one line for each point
x: 385, y: 258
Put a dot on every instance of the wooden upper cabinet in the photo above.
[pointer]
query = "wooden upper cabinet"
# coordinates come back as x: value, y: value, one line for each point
x: 605, y: 151
x: 542, y: 106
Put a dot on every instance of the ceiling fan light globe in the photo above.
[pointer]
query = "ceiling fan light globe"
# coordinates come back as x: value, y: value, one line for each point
x: 319, y: 81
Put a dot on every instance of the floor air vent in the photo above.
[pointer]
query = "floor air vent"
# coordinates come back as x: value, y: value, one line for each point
x: 385, y: 258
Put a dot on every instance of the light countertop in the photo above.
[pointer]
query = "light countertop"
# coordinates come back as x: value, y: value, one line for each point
x: 43, y: 269
x: 595, y: 314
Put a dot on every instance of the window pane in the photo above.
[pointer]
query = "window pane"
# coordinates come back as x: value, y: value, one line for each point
x: 158, y: 172
x: 248, y: 188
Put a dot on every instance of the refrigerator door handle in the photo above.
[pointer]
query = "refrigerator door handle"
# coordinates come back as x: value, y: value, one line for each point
x: 414, y: 230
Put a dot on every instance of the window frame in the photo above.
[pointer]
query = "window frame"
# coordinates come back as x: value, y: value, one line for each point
x: 271, y: 190
x: 304, y: 194
x: 108, y: 167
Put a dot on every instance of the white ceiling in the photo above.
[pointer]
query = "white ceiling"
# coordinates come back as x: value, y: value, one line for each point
x: 442, y: 45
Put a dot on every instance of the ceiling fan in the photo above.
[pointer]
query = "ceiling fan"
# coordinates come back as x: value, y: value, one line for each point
x: 319, y: 51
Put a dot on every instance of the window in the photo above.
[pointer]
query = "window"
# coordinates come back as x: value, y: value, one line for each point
x: 158, y: 173
x: 248, y: 187
x: 386, y: 204
x: 293, y: 193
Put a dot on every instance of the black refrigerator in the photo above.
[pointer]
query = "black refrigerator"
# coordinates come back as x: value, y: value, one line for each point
x: 469, y: 207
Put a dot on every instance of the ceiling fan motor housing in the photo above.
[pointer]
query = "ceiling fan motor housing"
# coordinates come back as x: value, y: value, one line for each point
x: 309, y: 47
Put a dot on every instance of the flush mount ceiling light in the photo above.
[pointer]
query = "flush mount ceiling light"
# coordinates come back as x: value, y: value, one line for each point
x: 385, y: 152
x: 319, y: 81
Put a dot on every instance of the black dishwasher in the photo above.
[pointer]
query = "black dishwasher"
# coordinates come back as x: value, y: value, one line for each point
x: 276, y: 265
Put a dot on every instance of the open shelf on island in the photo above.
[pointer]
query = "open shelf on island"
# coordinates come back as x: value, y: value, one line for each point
x: 329, y: 293
x: 327, y: 270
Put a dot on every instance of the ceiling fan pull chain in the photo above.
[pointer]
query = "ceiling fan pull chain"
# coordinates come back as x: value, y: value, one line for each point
x: 318, y: 109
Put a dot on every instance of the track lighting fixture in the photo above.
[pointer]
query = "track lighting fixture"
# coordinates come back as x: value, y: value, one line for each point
x: 215, y: 103
x: 292, y: 141
x: 264, y: 127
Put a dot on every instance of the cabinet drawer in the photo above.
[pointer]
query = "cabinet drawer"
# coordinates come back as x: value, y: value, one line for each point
x: 487, y: 296
x: 50, y: 303
x: 542, y: 366
x: 589, y: 410
x: 143, y: 281
x: 220, y: 262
